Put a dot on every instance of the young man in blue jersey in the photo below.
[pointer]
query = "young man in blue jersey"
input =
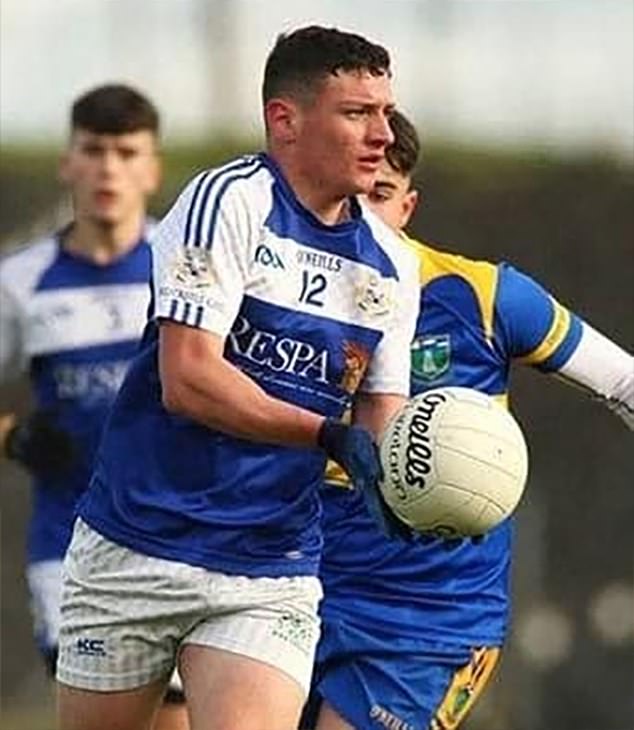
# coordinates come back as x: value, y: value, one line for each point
x: 411, y: 632
x: 276, y: 301
x: 72, y: 309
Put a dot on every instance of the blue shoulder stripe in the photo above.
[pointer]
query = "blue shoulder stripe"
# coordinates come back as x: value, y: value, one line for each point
x: 207, y: 180
x: 243, y: 175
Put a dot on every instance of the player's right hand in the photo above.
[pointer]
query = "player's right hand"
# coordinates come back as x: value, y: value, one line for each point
x: 353, y: 448
x: 40, y: 445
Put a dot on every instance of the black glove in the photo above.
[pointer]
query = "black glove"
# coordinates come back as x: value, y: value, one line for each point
x: 41, y: 446
x: 354, y: 450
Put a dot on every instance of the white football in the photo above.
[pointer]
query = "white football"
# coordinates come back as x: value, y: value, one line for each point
x: 455, y: 462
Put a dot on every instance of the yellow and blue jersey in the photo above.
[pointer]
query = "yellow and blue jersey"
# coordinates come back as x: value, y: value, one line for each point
x: 476, y: 318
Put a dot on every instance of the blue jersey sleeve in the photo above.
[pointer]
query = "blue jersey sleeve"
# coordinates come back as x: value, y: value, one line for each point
x: 533, y: 327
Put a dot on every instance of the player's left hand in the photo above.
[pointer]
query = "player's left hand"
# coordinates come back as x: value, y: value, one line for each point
x: 40, y: 445
x: 353, y: 448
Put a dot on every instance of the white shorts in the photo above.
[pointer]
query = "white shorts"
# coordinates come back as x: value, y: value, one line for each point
x: 45, y: 586
x: 125, y: 615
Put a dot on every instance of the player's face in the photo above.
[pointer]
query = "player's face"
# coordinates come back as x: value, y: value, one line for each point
x: 111, y: 175
x: 391, y: 197
x: 343, y: 133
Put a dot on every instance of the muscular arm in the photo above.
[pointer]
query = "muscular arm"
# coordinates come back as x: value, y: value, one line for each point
x: 600, y: 366
x: 199, y: 383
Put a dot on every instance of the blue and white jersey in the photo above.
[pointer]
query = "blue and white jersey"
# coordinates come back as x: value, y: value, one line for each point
x: 310, y: 312
x: 74, y: 326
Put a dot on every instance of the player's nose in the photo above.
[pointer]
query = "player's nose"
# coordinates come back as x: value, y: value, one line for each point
x: 381, y: 132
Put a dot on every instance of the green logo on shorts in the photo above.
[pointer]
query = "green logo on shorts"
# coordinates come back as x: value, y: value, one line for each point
x: 297, y: 630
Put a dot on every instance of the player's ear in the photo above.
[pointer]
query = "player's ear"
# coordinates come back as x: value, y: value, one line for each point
x: 281, y: 119
x: 408, y: 207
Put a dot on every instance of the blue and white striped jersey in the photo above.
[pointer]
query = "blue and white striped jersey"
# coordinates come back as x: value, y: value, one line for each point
x: 75, y: 326
x: 310, y: 312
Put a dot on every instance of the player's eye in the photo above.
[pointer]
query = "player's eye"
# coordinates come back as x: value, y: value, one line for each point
x: 127, y: 153
x: 379, y: 195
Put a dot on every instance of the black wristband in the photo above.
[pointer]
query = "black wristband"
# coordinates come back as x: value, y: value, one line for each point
x: 331, y: 433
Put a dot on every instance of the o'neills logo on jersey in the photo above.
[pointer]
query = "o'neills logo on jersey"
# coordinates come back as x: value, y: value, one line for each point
x: 280, y: 354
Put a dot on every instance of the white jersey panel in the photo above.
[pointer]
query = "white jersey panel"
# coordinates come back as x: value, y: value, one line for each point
x: 201, y: 249
x: 19, y: 274
x: 389, y: 371
x: 75, y: 317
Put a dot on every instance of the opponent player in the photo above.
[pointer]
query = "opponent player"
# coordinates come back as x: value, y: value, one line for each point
x: 412, y: 632
x: 275, y: 297
x: 72, y: 310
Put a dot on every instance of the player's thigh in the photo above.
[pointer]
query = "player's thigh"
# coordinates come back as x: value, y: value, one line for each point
x: 79, y: 709
x: 329, y: 719
x: 228, y: 691
x: 261, y: 651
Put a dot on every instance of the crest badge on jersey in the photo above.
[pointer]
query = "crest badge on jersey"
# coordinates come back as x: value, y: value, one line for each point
x: 431, y: 356
x: 356, y: 359
x: 375, y: 294
x: 193, y: 269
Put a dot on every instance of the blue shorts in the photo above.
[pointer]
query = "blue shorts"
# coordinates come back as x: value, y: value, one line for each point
x: 375, y: 681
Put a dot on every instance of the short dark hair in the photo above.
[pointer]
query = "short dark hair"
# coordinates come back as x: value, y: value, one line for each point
x: 403, y: 153
x: 114, y: 109
x: 301, y: 60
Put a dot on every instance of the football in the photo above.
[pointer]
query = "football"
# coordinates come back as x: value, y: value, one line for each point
x: 455, y: 463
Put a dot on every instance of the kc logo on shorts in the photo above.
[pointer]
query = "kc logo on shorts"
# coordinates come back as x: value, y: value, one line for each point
x: 90, y: 647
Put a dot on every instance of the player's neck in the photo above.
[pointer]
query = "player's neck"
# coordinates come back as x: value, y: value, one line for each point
x: 329, y: 207
x: 100, y: 243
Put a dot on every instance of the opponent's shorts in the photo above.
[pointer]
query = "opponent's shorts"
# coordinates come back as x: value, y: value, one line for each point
x: 376, y: 681
x: 124, y: 616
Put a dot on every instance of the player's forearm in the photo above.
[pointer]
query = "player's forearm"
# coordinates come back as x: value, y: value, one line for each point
x: 606, y: 370
x: 372, y: 411
x: 223, y: 398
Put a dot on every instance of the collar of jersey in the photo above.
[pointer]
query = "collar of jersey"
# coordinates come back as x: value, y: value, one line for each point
x: 289, y: 194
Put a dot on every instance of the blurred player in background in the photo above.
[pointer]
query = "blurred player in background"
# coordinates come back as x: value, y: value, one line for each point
x: 72, y: 310
x: 275, y: 299
x: 412, y: 631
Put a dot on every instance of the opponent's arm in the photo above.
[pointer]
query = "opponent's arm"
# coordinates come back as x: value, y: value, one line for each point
x: 603, y: 369
x: 539, y: 331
